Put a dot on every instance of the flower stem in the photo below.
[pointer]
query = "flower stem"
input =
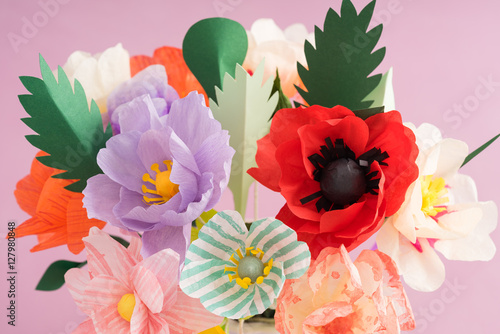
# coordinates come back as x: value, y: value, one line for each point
x: 241, y: 321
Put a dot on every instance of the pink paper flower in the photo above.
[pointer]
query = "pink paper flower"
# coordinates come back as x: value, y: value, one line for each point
x: 122, y: 293
x: 339, y: 296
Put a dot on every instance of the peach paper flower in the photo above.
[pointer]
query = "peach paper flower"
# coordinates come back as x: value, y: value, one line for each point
x: 122, y: 293
x: 339, y: 296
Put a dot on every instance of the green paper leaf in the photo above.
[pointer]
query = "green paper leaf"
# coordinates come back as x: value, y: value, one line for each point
x: 244, y: 109
x: 342, y: 60
x: 70, y: 133
x: 298, y: 104
x: 122, y: 242
x: 212, y: 48
x: 53, y: 278
x: 365, y: 113
x: 472, y: 155
x: 283, y: 100
x: 383, y: 94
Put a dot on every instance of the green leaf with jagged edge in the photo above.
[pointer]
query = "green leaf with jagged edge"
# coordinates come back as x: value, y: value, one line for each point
x: 340, y: 63
x: 383, y: 94
x: 67, y: 130
x: 211, y: 48
x: 53, y: 278
x: 283, y: 100
x: 473, y: 154
x: 244, y: 107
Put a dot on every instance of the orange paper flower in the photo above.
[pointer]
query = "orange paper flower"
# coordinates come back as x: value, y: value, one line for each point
x: 58, y: 217
x: 179, y: 75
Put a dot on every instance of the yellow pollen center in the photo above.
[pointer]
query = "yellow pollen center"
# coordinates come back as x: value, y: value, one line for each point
x: 126, y: 306
x: 240, y: 261
x: 164, y: 189
x: 433, y: 192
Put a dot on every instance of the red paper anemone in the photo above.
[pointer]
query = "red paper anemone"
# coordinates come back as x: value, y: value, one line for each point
x: 58, y: 216
x: 340, y: 175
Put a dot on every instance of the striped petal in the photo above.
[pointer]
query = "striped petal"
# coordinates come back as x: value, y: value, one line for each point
x: 279, y: 242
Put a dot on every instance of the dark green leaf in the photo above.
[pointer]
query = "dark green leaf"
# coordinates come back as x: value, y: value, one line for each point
x: 365, y: 113
x: 123, y: 242
x: 283, y: 100
x: 53, y: 278
x: 70, y: 133
x: 479, y: 150
x: 340, y: 63
x: 212, y: 48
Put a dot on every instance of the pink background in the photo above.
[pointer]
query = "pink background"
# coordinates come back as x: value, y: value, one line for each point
x: 441, y: 53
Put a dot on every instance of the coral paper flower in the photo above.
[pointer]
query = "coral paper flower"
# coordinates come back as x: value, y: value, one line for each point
x: 237, y: 273
x: 441, y: 212
x: 124, y: 293
x: 337, y: 296
x: 99, y: 74
x: 281, y: 50
x: 340, y: 175
x: 161, y: 173
x: 58, y: 217
x: 179, y: 75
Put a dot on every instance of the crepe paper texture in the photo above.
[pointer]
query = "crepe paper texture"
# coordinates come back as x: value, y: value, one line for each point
x: 151, y: 81
x: 179, y: 75
x: 57, y: 215
x: 341, y: 61
x: 161, y: 172
x: 340, y: 175
x: 212, y: 47
x: 215, y: 330
x: 283, y: 100
x: 136, y: 295
x: 99, y: 74
x: 237, y: 273
x: 338, y: 296
x: 281, y: 49
x: 441, y: 213
x: 244, y: 108
x: 67, y: 131
x: 480, y: 149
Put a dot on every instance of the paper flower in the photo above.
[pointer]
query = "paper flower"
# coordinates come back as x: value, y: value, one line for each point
x: 58, y: 217
x: 179, y: 75
x: 340, y: 175
x: 99, y: 74
x: 237, y: 273
x: 441, y: 212
x: 151, y: 81
x: 338, y: 296
x: 161, y: 173
x: 124, y: 293
x: 281, y: 50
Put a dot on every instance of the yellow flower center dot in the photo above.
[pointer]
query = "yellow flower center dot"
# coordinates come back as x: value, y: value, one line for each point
x: 126, y: 306
x: 164, y: 189
x: 433, y: 192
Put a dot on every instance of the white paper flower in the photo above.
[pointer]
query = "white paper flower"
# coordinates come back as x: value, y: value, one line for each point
x: 441, y: 212
x: 99, y: 74
x: 280, y: 48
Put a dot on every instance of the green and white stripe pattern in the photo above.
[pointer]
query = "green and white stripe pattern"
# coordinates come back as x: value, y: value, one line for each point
x: 204, y: 276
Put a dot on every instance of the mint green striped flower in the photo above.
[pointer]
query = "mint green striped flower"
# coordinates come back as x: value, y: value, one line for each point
x: 237, y: 273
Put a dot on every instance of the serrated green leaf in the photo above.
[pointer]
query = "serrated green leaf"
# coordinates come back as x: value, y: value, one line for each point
x: 473, y: 154
x: 283, y: 100
x: 383, y: 94
x: 211, y: 48
x: 244, y: 108
x: 53, y: 278
x: 340, y: 63
x: 365, y: 113
x: 67, y: 130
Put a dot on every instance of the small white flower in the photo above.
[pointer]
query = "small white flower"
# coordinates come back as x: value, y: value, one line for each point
x: 441, y: 212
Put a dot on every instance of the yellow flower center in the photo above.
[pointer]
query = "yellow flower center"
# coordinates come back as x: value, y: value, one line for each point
x: 433, y: 192
x: 164, y: 189
x: 249, y: 268
x: 126, y: 306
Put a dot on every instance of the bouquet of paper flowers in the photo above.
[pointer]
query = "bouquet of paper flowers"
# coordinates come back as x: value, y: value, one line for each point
x: 147, y: 145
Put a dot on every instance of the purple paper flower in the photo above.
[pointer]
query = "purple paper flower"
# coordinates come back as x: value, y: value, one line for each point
x: 151, y: 81
x: 161, y: 172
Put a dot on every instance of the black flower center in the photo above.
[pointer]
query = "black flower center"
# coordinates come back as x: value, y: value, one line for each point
x: 343, y: 181
x: 343, y: 178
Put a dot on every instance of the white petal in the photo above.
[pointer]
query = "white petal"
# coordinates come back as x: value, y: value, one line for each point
x: 264, y: 30
x: 462, y: 189
x: 452, y: 154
